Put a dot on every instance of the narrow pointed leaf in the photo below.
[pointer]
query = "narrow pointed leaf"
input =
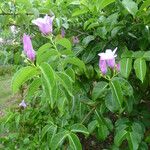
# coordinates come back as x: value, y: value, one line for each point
x: 66, y: 82
x: 140, y: 68
x: 99, y: 90
x: 22, y: 76
x: 48, y: 79
x: 58, y: 139
x: 116, y: 92
x: 130, y: 6
x: 74, y: 141
x: 79, y: 128
x: 125, y: 67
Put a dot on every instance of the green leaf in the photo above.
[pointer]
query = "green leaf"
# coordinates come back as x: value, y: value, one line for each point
x: 146, y: 56
x: 88, y: 56
x: 99, y: 90
x: 49, y: 81
x: 133, y: 140
x: 49, y: 129
x: 78, y: 12
x: 33, y: 87
x: 125, y: 67
x: 127, y: 54
x: 145, y: 4
x: 140, y: 68
x: 126, y: 87
x: 92, y: 126
x: 137, y: 54
x: 46, y: 54
x: 22, y: 76
x: 74, y: 61
x: 58, y: 139
x: 116, y: 92
x: 66, y: 82
x: 79, y: 128
x: 88, y: 39
x: 119, y: 137
x: 103, y: 3
x: 103, y: 132
x: 74, y: 142
x: 130, y: 6
x: 65, y: 43
x: 70, y: 72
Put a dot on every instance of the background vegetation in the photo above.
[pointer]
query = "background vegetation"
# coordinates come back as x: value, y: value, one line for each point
x: 70, y: 103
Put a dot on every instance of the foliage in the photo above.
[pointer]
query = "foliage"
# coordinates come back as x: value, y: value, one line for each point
x: 67, y: 95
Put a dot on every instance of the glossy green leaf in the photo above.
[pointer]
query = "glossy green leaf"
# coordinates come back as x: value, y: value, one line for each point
x: 48, y: 80
x: 99, y: 90
x: 140, y: 68
x: 49, y: 129
x: 103, y: 3
x: 92, y: 126
x: 70, y: 72
x: 88, y: 39
x: 103, y: 132
x: 65, y: 81
x: 116, y: 92
x: 58, y: 139
x: 133, y: 140
x: 145, y: 4
x: 74, y: 61
x: 146, y: 56
x: 46, y: 55
x: 79, y: 128
x: 130, y: 6
x: 125, y: 85
x: 78, y: 12
x: 74, y: 141
x: 125, y: 67
x: 65, y: 43
x: 22, y: 76
x: 34, y: 87
x: 119, y: 137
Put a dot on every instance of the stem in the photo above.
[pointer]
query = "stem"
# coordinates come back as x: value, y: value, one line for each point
x: 53, y: 43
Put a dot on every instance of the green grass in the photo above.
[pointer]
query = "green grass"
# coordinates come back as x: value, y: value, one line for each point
x: 5, y: 89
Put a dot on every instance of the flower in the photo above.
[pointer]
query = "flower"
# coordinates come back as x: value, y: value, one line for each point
x: 27, y: 46
x: 75, y: 39
x: 107, y: 59
x: 63, y: 32
x: 118, y: 67
x: 23, y: 104
x: 44, y: 24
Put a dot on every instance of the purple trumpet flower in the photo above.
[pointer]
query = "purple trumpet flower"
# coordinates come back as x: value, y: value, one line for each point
x: 23, y: 104
x: 107, y: 59
x: 45, y: 24
x: 27, y: 46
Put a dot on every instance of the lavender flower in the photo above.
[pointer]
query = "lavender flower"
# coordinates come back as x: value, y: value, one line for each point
x: 27, y: 46
x: 23, y: 104
x: 107, y: 59
x: 75, y: 39
x: 63, y: 32
x: 118, y: 67
x: 44, y: 24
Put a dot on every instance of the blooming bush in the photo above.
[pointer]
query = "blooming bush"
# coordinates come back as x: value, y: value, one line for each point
x: 78, y: 81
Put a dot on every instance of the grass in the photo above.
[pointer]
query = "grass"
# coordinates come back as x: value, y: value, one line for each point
x: 6, y: 98
x: 5, y: 89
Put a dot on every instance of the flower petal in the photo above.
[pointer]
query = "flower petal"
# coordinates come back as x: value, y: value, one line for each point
x: 103, y: 66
